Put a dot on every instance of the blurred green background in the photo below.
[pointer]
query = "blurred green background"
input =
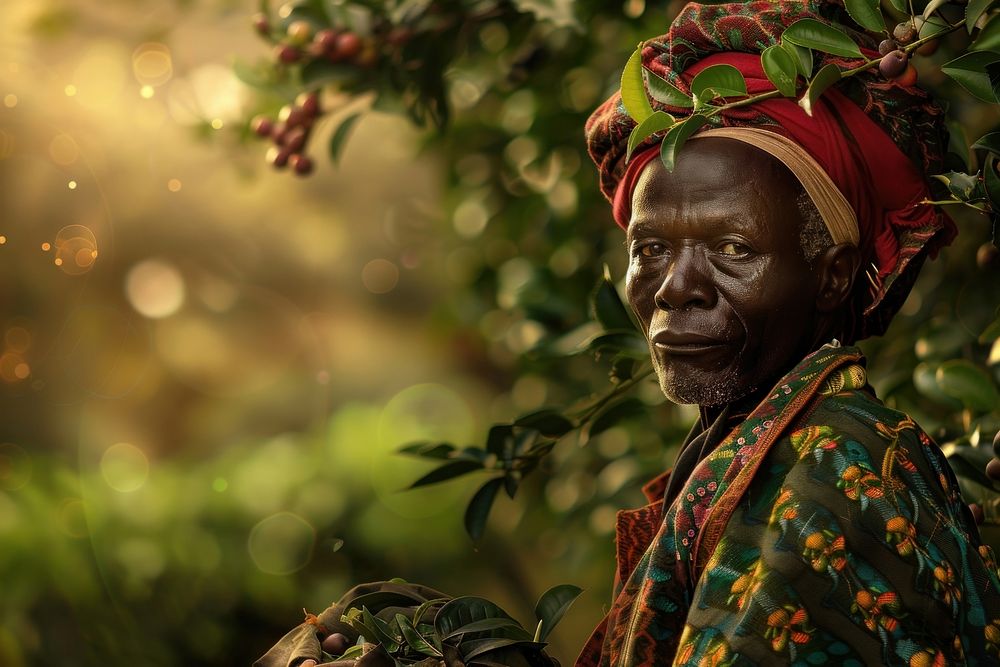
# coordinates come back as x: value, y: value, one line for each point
x: 206, y: 366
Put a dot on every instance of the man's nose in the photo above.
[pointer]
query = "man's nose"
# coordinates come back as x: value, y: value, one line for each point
x: 687, y: 284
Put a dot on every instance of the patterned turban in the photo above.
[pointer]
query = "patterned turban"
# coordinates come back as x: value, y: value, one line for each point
x: 876, y: 139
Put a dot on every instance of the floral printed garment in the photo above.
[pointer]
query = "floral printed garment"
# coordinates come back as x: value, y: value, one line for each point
x: 825, y: 529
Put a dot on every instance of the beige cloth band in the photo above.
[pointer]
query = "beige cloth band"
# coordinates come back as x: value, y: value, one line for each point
x: 833, y: 207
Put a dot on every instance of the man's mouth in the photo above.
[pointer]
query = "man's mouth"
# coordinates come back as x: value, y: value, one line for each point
x: 686, y: 344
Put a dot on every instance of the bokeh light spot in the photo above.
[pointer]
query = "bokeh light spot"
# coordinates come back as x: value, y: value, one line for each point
x: 3, y: 239
x: 146, y: 92
x: 380, y: 276
x: 17, y: 339
x: 152, y: 65
x: 13, y: 367
x: 124, y: 467
x: 46, y: 246
x: 15, y: 466
x: 216, y: 123
x: 174, y: 185
x: 282, y: 543
x: 63, y: 150
x: 10, y: 100
x: 155, y: 288
x: 72, y: 518
x: 71, y: 185
x: 76, y: 248
x: 220, y: 484
x: 70, y: 90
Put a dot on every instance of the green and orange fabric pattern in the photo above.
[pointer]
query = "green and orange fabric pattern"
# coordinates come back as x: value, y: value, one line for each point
x: 825, y: 529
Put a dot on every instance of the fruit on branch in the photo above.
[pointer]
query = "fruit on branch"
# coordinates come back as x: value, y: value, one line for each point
x: 287, y: 54
x: 886, y: 46
x: 905, y: 32
x: 348, y: 46
x: 893, y: 64
x: 325, y: 41
x: 909, y: 77
x: 987, y: 257
x: 928, y: 48
x: 299, y: 32
x: 301, y: 164
x: 261, y: 25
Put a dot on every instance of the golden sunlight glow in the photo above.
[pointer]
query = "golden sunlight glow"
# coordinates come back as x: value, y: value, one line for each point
x: 124, y: 467
x: 63, y: 150
x: 155, y: 288
x: 152, y: 65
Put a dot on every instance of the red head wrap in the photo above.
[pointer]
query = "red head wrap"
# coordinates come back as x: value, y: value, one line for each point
x: 883, y: 185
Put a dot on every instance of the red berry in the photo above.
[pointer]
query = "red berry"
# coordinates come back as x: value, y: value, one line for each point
x: 886, y: 46
x: 261, y: 24
x: 907, y: 78
x: 278, y: 132
x: 335, y: 644
x: 326, y: 40
x: 309, y: 103
x: 287, y: 53
x: 399, y: 36
x: 893, y: 64
x: 262, y: 126
x: 986, y: 257
x: 278, y: 157
x: 301, y: 164
x: 295, y: 140
x: 348, y: 46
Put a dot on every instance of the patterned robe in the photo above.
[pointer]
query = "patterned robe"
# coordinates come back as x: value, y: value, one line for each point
x: 824, y: 529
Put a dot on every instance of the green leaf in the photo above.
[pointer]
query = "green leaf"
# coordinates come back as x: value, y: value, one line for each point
x: 479, y: 507
x: 428, y: 450
x: 968, y: 383
x: 383, y: 634
x: 483, y: 625
x: 547, y: 422
x: 628, y: 343
x: 990, y: 333
x: 340, y: 135
x: 633, y: 91
x: 615, y: 413
x: 608, y: 307
x: 780, y: 68
x: 464, y: 610
x: 812, y: 34
x: 478, y: 647
x: 803, y: 57
x: 969, y: 71
x: 447, y: 471
x: 511, y: 481
x: 827, y: 76
x: 659, y: 121
x: 958, y: 142
x: 676, y: 137
x: 991, y: 181
x: 552, y: 606
x: 320, y: 73
x: 900, y: 6
x: 665, y: 92
x: 413, y: 638
x: 959, y: 184
x: 933, y: 6
x: 380, y: 600
x: 500, y: 441
x: 989, y: 37
x: 973, y: 11
x: 925, y: 380
x: 717, y: 81
x: 424, y: 606
x: 866, y: 13
x: 932, y: 26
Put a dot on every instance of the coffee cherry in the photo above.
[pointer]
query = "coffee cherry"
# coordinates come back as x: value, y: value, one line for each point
x: 261, y: 126
x: 928, y: 48
x: 287, y: 54
x: 278, y: 157
x: 309, y: 103
x: 300, y: 32
x: 905, y: 32
x: 295, y: 140
x: 302, y: 165
x: 261, y: 25
x: 278, y: 133
x: 986, y: 257
x: 886, y: 46
x: 907, y: 78
x: 335, y: 644
x: 326, y: 40
x: 348, y: 46
x: 893, y: 64
x: 993, y: 469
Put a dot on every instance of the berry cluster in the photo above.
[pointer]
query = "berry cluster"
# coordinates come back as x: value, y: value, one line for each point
x: 301, y: 43
x: 895, y: 64
x: 290, y: 133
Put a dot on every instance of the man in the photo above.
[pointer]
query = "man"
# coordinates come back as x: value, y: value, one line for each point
x: 804, y: 522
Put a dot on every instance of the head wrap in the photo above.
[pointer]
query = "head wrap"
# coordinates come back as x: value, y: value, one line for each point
x: 874, y: 138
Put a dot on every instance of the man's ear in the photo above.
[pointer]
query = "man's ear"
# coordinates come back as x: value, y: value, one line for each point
x: 836, y: 268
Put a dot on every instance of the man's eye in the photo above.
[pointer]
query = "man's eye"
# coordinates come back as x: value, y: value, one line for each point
x: 652, y: 249
x: 733, y: 248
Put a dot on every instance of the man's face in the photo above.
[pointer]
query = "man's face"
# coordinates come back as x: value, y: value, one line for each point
x: 716, y: 273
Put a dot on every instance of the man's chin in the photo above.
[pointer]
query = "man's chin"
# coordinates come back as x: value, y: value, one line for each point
x: 694, y: 389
